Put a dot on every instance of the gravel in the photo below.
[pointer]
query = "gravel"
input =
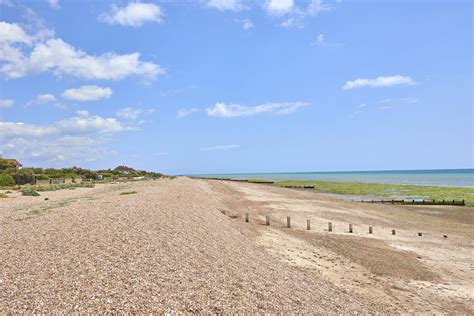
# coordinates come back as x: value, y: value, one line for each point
x: 167, y: 248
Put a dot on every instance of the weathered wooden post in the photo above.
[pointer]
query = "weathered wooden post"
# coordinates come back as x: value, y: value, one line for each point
x: 288, y: 222
x: 308, y: 224
x: 393, y: 232
x: 370, y: 230
x: 246, y: 217
x: 350, y: 228
x: 420, y: 234
x: 267, y: 220
x: 330, y: 226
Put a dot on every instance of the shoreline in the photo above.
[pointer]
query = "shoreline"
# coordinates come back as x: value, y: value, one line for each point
x: 439, y: 177
x: 364, y: 190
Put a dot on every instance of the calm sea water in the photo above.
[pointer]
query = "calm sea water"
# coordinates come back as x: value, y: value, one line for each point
x: 441, y: 177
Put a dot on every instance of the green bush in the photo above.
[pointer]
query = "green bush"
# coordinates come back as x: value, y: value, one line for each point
x: 23, y: 177
x: 41, y: 177
x: 6, y: 180
x: 29, y: 192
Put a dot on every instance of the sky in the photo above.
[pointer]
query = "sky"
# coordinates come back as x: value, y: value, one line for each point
x: 228, y: 86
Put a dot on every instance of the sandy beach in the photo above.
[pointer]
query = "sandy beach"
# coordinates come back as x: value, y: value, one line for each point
x: 182, y: 245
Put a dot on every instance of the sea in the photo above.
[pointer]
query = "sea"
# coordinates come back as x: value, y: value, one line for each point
x: 438, y: 177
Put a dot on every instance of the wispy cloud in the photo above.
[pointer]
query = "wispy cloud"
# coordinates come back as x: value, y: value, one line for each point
x: 220, y: 147
x: 42, y: 99
x: 133, y: 14
x: 225, y: 5
x: 247, y: 24
x: 54, y: 4
x: 87, y: 93
x: 6, y: 103
x: 409, y: 100
x: 236, y: 110
x: 129, y: 113
x: 294, y: 14
x: 186, y: 112
x: 379, y: 82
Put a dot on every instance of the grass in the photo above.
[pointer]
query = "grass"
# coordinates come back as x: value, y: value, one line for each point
x: 390, y: 190
x: 128, y: 192
x: 3, y: 196
x: 29, y: 192
x: 61, y: 186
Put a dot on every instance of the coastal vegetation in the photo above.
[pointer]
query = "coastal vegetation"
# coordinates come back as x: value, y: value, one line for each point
x: 382, y: 190
x: 11, y: 175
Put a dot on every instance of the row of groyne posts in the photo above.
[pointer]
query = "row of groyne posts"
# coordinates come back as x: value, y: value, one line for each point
x: 330, y: 225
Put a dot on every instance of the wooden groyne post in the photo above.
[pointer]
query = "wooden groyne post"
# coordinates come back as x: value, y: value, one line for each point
x: 267, y: 220
x: 371, y: 230
x: 246, y: 217
x: 288, y: 222
x: 350, y: 228
x: 393, y: 232
x: 330, y: 226
x: 308, y: 224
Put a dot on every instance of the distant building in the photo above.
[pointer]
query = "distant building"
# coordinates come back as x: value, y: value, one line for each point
x: 15, y: 163
x: 124, y: 169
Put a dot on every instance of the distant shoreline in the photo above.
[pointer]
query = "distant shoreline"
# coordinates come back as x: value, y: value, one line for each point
x: 463, y: 178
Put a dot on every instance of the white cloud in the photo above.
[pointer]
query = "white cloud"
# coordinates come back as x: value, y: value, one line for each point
x: 70, y: 126
x: 279, y: 7
x: 133, y: 14
x: 295, y: 14
x: 6, y: 103
x: 129, y: 113
x: 186, y: 112
x: 73, y: 140
x: 219, y: 147
x: 160, y: 154
x: 225, y: 5
x: 87, y: 93
x: 247, y: 24
x: 54, y: 4
x: 379, y: 82
x: 237, y: 110
x: 363, y: 105
x: 12, y: 33
x: 60, y: 58
x: 386, y: 107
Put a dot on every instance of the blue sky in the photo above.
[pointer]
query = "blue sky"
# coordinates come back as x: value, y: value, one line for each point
x: 224, y: 86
